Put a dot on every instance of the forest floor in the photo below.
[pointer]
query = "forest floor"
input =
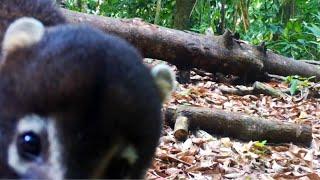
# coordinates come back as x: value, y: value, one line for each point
x: 205, y: 156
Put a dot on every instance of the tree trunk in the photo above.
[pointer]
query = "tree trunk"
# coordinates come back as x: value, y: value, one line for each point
x: 287, y: 10
x: 222, y: 21
x: 183, y: 12
x: 245, y: 14
x: 240, y: 126
x: 182, y: 22
x: 158, y: 10
x: 213, y: 54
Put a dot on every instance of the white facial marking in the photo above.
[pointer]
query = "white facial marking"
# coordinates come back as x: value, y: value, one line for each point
x: 51, y: 167
x: 55, y: 161
x: 32, y: 123
x: 14, y: 160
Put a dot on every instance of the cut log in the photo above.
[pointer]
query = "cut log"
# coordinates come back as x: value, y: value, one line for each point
x: 241, y: 126
x: 181, y: 128
x: 186, y: 50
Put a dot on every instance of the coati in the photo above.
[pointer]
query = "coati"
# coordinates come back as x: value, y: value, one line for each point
x: 76, y: 103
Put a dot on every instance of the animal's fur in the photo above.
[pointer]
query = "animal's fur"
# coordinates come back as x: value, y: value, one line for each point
x: 104, y: 103
x: 99, y: 106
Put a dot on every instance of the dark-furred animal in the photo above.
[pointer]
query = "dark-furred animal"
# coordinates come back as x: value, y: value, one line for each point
x: 76, y: 103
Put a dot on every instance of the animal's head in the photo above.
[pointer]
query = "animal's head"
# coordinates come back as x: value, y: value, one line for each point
x: 76, y: 103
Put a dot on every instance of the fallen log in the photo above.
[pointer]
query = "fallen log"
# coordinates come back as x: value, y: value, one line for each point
x: 311, y: 62
x: 240, y: 126
x: 186, y: 50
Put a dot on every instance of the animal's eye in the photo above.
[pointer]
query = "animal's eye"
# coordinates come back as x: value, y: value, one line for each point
x: 29, y: 145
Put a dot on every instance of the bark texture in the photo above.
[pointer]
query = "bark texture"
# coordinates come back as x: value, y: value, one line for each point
x: 241, y: 126
x: 188, y: 50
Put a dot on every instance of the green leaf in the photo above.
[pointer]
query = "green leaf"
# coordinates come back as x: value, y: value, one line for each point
x: 294, y: 86
x: 260, y: 144
x: 314, y: 29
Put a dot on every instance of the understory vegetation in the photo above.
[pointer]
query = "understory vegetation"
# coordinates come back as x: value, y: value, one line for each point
x: 289, y: 27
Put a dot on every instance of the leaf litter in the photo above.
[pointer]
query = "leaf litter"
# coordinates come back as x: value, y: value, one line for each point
x: 205, y: 156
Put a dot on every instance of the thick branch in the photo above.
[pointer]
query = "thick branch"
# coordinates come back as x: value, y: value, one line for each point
x: 241, y: 126
x: 186, y: 50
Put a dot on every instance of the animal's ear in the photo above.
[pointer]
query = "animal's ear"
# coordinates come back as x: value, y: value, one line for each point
x: 21, y: 33
x: 165, y: 80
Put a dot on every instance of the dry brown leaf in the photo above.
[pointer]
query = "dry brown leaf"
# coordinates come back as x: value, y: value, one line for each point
x: 204, y: 156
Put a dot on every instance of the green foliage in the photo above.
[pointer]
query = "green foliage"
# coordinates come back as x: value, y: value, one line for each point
x: 260, y: 147
x: 145, y: 9
x: 260, y: 144
x: 296, y: 35
x: 296, y: 41
x: 293, y: 86
x: 297, y: 83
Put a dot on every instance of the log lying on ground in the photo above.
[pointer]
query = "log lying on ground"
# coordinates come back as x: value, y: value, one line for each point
x: 187, y: 50
x: 241, y: 126
x: 311, y: 62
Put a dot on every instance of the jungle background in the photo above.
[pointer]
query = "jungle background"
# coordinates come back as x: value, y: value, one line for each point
x: 289, y: 27
x: 286, y: 106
